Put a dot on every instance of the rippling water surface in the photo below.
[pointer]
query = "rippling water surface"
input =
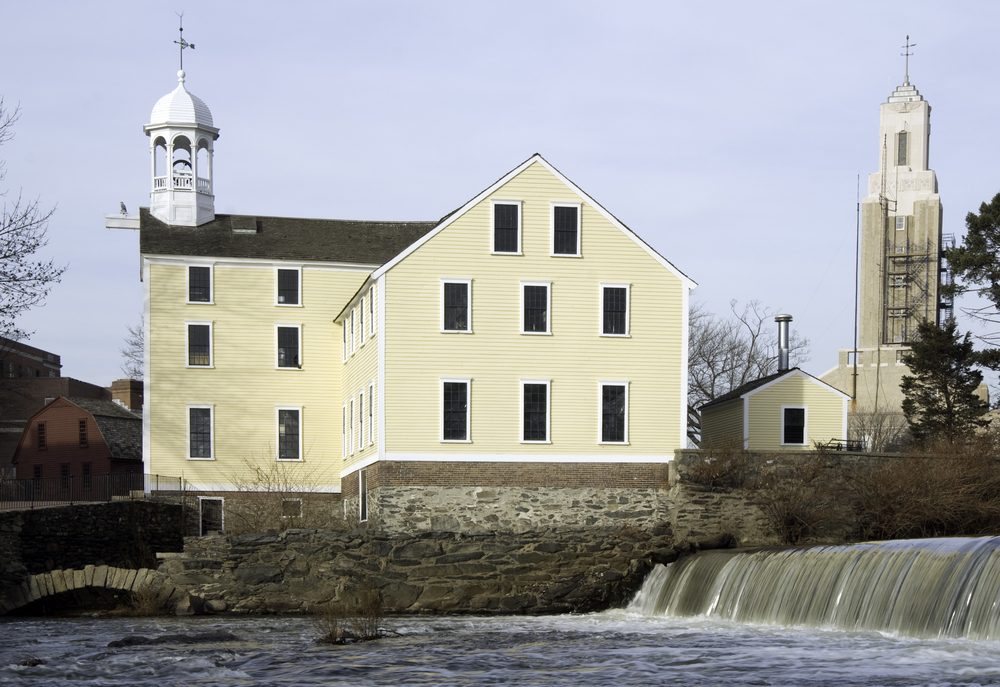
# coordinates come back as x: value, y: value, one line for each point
x: 613, y: 648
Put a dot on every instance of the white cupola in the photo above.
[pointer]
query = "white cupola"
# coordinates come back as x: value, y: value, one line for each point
x: 182, y: 142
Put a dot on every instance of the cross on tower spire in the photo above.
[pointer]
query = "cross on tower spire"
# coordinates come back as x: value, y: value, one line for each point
x: 906, y: 54
x: 184, y: 44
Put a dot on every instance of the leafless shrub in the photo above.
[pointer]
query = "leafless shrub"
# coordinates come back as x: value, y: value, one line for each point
x: 951, y: 489
x: 360, y: 621
x: 146, y: 601
x: 797, y: 500
x: 880, y: 431
x: 719, y: 468
x: 275, y: 496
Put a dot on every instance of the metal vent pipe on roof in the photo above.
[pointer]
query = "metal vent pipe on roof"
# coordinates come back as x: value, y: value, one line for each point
x: 783, y: 346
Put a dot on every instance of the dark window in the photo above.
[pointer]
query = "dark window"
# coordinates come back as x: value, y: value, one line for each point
x: 566, y: 227
x: 288, y: 434
x: 456, y: 411
x: 505, y: 228
x: 362, y: 495
x: 210, y: 515
x: 200, y: 422
x: 535, y: 412
x: 795, y: 426
x: 88, y: 479
x: 200, y: 284
x: 42, y: 442
x: 901, y: 151
x: 83, y: 433
x: 536, y: 308
x: 199, y: 345
x: 64, y: 476
x: 288, y: 287
x: 615, y: 310
x: 36, y: 472
x: 456, y: 307
x: 613, y: 412
x: 291, y: 508
x: 288, y: 347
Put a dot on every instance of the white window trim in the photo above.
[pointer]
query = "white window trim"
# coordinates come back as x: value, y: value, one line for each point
x: 520, y: 224
x: 343, y: 432
x: 211, y: 285
x: 371, y: 413
x: 298, y: 283
x: 354, y: 333
x: 600, y: 411
x: 548, y: 307
x: 350, y: 420
x: 277, y: 434
x: 468, y: 409
x: 361, y: 320
x: 361, y: 421
x: 371, y: 311
x: 343, y: 331
x: 211, y: 429
x: 362, y: 495
x: 805, y: 425
x: 290, y: 325
x: 552, y: 229
x: 548, y: 412
x: 222, y: 511
x: 628, y: 309
x: 187, y: 345
x: 468, y: 308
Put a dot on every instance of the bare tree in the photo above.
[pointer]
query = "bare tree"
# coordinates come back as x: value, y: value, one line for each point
x: 726, y: 352
x: 24, y: 280
x: 132, y: 351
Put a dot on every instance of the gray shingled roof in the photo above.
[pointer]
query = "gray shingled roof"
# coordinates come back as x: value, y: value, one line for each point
x: 749, y: 386
x: 120, y: 427
x: 281, y: 238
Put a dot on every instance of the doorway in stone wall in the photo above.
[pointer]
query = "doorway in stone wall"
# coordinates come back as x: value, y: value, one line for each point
x: 210, y: 515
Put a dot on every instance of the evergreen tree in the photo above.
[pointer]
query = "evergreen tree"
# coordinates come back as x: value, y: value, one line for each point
x: 976, y: 263
x: 940, y: 396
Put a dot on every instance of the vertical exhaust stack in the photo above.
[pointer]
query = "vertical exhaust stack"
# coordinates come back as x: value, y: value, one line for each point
x: 783, y: 345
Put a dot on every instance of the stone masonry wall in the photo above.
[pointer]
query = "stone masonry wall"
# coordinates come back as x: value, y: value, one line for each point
x: 301, y: 571
x: 479, y: 497
x: 126, y: 533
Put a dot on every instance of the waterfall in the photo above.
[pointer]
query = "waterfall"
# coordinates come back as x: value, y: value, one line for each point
x: 917, y: 587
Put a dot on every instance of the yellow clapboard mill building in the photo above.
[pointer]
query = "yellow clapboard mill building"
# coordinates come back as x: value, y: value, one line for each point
x: 519, y: 364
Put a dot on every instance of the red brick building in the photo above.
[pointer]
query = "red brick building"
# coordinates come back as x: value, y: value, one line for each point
x: 76, y: 441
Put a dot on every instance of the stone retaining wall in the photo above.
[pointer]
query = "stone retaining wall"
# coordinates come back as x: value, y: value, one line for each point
x: 472, y: 498
x: 125, y: 533
x: 301, y: 571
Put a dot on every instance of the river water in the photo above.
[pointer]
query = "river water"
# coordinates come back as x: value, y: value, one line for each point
x: 612, y: 648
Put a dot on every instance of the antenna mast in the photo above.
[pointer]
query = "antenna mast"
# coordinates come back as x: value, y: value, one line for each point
x: 905, y: 54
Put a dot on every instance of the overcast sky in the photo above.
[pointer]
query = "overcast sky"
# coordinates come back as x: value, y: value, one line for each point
x: 729, y: 135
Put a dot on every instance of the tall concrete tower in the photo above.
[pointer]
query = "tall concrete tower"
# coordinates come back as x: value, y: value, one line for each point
x: 900, y: 268
x: 900, y: 228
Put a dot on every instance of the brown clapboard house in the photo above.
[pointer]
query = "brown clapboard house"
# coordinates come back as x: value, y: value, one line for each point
x: 75, y: 442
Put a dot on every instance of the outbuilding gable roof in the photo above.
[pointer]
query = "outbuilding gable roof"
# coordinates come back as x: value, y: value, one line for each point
x: 755, y: 385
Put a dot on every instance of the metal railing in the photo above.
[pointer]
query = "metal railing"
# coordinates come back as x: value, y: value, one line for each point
x: 21, y: 494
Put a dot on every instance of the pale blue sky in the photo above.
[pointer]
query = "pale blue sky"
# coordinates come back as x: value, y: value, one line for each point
x: 728, y: 134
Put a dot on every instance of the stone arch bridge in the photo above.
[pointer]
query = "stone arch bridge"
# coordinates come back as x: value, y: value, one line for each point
x: 49, y: 584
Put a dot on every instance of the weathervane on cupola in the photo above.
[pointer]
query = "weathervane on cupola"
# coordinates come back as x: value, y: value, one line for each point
x: 184, y: 44
x: 182, y: 136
